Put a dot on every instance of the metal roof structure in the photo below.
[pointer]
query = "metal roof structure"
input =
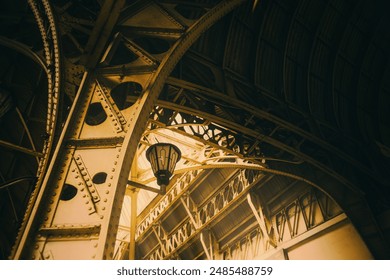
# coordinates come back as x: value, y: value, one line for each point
x: 280, y: 109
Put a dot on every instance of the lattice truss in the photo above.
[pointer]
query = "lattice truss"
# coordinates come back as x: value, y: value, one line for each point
x: 215, y: 206
x: 230, y: 222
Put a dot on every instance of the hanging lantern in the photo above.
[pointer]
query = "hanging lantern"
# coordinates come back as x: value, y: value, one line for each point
x: 163, y: 158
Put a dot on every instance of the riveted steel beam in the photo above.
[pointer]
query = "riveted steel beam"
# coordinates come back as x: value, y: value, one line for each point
x: 95, y: 142
x: 25, y: 50
x: 63, y: 197
x: 226, y: 101
x: 44, y: 18
x: 230, y: 138
x: 69, y: 230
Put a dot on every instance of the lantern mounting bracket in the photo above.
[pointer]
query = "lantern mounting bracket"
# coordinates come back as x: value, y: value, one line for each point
x: 145, y: 187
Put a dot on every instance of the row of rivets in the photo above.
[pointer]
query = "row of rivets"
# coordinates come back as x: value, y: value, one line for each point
x: 56, y: 191
x: 111, y: 109
x: 87, y: 179
x: 111, y: 101
x: 86, y: 192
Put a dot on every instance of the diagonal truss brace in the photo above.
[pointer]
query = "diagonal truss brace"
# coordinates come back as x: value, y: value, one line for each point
x: 261, y: 220
x: 196, y: 226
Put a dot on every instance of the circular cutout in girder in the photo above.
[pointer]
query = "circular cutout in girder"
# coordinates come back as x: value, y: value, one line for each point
x: 95, y: 114
x: 99, y: 178
x: 122, y: 91
x: 68, y: 192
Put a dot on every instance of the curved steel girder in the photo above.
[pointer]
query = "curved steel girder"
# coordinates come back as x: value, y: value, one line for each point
x: 255, y: 135
x: 135, y: 127
x: 47, y: 27
x: 315, y: 35
x: 51, y: 65
x: 261, y: 114
x: 16, y: 181
x: 48, y: 30
x: 352, y: 203
x: 350, y: 199
x: 23, y: 49
x: 285, y: 51
x: 144, y: 105
x: 338, y: 54
x: 250, y: 166
x: 26, y: 51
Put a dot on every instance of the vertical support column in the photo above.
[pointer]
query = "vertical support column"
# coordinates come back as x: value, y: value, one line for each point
x: 133, y: 211
x: 133, y: 222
